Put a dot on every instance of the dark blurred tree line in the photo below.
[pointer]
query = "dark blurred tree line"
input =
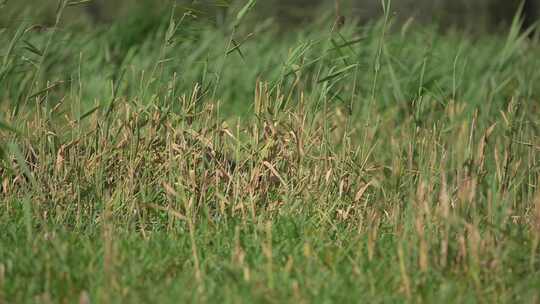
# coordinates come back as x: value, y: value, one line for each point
x: 464, y: 13
x: 530, y: 11
x: 478, y: 15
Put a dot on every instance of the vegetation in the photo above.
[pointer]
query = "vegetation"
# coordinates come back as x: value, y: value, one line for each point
x: 165, y: 160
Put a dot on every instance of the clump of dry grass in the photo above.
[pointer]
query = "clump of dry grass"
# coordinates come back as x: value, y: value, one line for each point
x: 450, y: 201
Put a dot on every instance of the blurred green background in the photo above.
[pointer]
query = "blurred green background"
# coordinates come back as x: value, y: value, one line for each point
x: 477, y: 15
x: 120, y: 41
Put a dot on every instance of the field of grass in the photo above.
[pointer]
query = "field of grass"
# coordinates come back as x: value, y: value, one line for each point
x: 163, y: 160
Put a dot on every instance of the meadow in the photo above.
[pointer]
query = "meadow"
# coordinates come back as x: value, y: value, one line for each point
x: 166, y: 160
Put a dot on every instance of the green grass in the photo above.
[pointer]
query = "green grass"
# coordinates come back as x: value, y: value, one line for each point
x: 169, y: 161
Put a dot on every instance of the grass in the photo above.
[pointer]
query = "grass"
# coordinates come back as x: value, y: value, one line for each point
x: 171, y: 161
